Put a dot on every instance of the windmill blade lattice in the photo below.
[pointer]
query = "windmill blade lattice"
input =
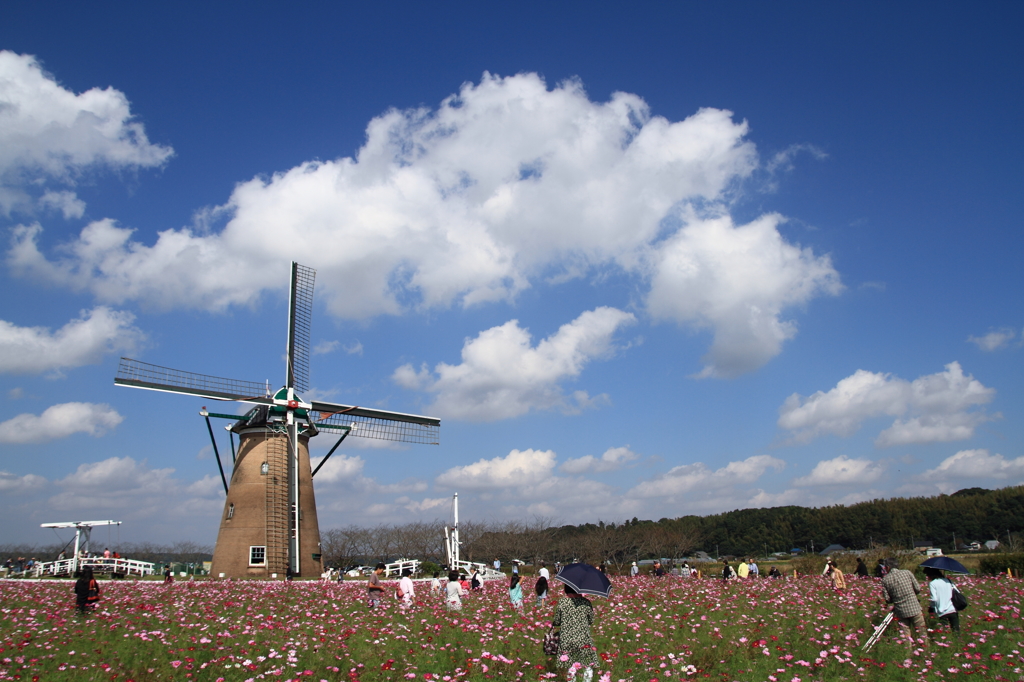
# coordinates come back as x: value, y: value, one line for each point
x: 300, y: 321
x: 144, y: 375
x: 377, y: 424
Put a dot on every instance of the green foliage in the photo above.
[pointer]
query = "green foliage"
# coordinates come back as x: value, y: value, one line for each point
x: 993, y: 564
x: 970, y: 514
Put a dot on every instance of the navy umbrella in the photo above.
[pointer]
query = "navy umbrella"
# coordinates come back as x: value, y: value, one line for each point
x: 585, y: 579
x: 944, y: 563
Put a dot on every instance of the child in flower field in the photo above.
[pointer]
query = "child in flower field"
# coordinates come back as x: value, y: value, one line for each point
x: 574, y: 615
x: 515, y: 593
x: 541, y: 589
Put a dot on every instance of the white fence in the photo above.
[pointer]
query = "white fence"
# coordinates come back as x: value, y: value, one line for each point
x: 402, y: 565
x: 68, y: 567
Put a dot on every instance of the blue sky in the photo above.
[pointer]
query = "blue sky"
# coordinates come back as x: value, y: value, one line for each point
x: 644, y: 262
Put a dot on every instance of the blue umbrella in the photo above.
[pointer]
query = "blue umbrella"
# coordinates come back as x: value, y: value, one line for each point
x: 585, y: 579
x: 944, y: 563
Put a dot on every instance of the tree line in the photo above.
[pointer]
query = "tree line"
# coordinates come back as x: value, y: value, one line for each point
x: 973, y: 514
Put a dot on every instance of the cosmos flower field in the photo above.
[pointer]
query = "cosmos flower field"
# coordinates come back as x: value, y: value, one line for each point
x: 794, y: 630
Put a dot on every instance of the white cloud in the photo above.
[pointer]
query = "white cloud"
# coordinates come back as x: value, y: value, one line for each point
x: 994, y: 340
x: 612, y: 459
x: 48, y: 133
x: 126, y: 485
x: 932, y: 408
x: 66, y: 202
x: 842, y: 471
x: 338, y: 468
x: 697, y: 477
x: 518, y: 468
x: 60, y: 421
x: 10, y: 484
x: 426, y: 504
x: 502, y: 376
x: 325, y: 347
x: 736, y: 281
x: 84, y: 341
x: 976, y: 464
x: 506, y: 183
x: 354, y: 348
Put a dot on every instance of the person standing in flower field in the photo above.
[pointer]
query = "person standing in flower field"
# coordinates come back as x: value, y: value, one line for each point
x: 743, y: 570
x: 541, y: 589
x: 435, y: 585
x: 454, y: 592
x: 574, y: 615
x: 515, y: 593
x: 634, y: 570
x: 836, y: 576
x: 862, y: 568
x: 900, y: 588
x: 87, y: 591
x: 940, y: 591
x: 753, y: 569
x: 406, y: 590
x: 374, y: 590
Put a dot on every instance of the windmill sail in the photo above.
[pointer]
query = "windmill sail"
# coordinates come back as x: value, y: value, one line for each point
x: 156, y: 378
x: 300, y: 320
x: 367, y: 422
x: 379, y: 424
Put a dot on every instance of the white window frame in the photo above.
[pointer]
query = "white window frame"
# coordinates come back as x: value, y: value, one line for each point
x: 263, y: 553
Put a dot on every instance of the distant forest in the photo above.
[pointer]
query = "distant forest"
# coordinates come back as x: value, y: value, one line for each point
x: 972, y: 514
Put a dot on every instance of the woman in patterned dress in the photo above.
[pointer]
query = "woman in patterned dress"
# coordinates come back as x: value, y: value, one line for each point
x: 574, y: 615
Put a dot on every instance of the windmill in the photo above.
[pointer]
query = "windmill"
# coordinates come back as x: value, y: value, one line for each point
x: 269, y: 525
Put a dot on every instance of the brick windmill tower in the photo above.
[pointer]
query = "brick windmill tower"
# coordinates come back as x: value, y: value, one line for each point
x: 269, y: 525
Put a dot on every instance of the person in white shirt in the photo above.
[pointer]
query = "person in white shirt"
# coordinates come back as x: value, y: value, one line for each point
x: 634, y: 570
x: 940, y: 592
x: 497, y: 564
x: 407, y: 589
x: 543, y: 572
x: 454, y: 592
x: 435, y: 585
x: 754, y: 570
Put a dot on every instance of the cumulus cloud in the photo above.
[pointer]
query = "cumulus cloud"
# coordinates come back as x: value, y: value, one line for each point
x: 736, y: 281
x: 122, y: 483
x: 503, y: 376
x: 690, y: 478
x: 506, y: 183
x: 994, y: 340
x: 26, y: 350
x: 932, y: 408
x: 842, y: 471
x: 518, y: 468
x: 50, y: 134
x: 976, y: 464
x: 338, y: 468
x: 11, y: 484
x: 60, y: 421
x: 612, y: 459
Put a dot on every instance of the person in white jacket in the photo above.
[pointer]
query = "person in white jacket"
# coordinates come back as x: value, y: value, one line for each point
x: 454, y: 592
x: 940, y: 592
x: 407, y: 588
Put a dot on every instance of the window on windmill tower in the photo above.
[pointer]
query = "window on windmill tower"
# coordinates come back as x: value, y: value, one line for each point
x: 264, y: 468
x: 231, y: 510
x: 257, y: 555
